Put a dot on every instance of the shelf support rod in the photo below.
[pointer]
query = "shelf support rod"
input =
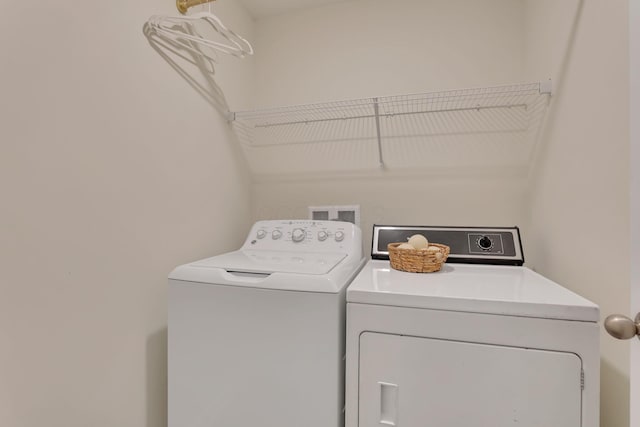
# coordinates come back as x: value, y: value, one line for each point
x: 376, y: 111
x: 184, y: 5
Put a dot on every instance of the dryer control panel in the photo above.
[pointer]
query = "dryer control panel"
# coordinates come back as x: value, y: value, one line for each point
x: 471, y: 245
x: 303, y: 235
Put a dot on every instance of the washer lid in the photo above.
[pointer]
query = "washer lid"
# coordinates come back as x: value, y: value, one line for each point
x: 504, y: 290
x: 272, y: 270
x: 268, y: 262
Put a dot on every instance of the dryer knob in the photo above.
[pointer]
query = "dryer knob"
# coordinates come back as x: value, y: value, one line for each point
x: 485, y: 243
x: 339, y: 236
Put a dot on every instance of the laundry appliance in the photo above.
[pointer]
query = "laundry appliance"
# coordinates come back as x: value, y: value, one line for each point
x: 483, y: 342
x: 257, y: 336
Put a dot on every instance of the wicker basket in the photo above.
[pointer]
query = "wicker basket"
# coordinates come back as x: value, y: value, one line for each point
x: 417, y: 260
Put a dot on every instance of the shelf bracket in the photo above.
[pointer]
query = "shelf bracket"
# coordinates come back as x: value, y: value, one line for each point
x: 376, y: 111
x: 546, y: 87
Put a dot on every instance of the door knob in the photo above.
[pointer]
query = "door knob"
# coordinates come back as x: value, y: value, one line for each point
x: 621, y: 327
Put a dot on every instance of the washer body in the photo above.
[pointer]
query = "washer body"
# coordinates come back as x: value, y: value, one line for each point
x: 471, y: 345
x: 256, y: 336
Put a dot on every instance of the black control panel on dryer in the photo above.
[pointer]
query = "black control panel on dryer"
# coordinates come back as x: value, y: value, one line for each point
x: 472, y: 245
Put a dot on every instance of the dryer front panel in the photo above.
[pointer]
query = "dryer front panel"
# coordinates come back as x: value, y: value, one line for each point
x: 410, y: 381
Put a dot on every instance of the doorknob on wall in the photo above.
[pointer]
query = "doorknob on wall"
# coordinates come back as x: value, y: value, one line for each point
x: 621, y: 327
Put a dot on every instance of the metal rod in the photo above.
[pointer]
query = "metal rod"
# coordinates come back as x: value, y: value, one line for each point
x: 376, y: 112
x: 377, y: 115
x: 184, y: 5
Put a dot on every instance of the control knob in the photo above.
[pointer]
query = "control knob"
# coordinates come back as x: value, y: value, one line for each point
x: 276, y: 234
x: 298, y: 235
x: 339, y: 236
x: 261, y: 234
x: 485, y: 243
x: 322, y: 236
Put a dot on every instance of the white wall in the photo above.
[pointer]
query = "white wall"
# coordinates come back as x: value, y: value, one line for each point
x: 365, y: 48
x: 399, y: 200
x: 376, y: 47
x: 580, y: 187
x: 113, y: 170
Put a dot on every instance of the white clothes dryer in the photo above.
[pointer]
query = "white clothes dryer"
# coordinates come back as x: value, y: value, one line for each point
x: 471, y: 345
x: 256, y: 336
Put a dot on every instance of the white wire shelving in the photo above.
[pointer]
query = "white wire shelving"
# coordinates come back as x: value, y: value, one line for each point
x: 491, y: 126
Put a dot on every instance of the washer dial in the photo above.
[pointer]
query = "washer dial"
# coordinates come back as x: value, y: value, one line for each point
x: 298, y: 235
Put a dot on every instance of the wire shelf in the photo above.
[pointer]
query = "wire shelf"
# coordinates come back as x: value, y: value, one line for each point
x: 489, y: 126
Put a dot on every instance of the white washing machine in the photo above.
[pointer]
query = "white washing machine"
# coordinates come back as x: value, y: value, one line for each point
x: 257, y: 336
x: 476, y: 344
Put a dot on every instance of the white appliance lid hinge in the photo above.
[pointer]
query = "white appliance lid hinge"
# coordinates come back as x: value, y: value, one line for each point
x: 581, y: 379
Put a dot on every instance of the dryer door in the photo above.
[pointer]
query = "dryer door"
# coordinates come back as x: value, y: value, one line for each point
x: 420, y: 382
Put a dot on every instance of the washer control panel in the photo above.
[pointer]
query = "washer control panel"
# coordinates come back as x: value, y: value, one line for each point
x: 473, y: 245
x: 304, y: 235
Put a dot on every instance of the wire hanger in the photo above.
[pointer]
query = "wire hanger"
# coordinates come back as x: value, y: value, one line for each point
x: 179, y: 46
x: 185, y: 32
